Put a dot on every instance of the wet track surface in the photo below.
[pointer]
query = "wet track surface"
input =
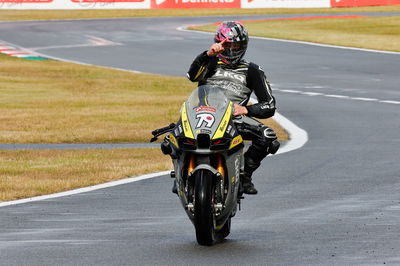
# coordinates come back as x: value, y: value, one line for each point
x: 336, y: 201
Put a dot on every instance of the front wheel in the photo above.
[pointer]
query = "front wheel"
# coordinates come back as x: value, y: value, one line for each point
x: 204, y: 218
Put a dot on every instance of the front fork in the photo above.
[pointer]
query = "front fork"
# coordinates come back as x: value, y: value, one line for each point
x: 216, y: 163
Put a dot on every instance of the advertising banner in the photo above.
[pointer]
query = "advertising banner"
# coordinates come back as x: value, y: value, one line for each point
x: 350, y: 3
x: 285, y: 3
x: 106, y: 1
x: 161, y: 4
x: 25, y: 1
x: 74, y: 4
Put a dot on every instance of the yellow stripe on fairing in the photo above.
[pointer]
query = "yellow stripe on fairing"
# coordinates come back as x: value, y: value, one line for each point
x: 185, y: 123
x: 224, y: 123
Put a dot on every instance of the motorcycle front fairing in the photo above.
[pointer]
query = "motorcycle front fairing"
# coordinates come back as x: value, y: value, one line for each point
x: 205, y: 138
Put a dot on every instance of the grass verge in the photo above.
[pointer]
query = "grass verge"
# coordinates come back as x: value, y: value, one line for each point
x: 380, y: 33
x: 57, y: 102
x: 93, y: 13
x: 31, y: 173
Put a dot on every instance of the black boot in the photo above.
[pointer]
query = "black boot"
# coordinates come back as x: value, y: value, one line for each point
x: 252, y: 161
x: 175, y: 188
x: 248, y: 186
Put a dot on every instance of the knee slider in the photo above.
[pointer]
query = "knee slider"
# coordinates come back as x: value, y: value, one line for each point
x: 269, y: 134
x: 269, y: 141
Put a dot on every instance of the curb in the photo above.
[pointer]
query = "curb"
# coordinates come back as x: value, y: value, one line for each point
x: 10, y: 50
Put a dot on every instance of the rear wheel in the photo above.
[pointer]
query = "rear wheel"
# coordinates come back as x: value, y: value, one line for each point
x: 204, y: 218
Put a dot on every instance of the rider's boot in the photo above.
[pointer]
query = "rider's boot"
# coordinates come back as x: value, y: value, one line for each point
x: 252, y: 161
x: 175, y: 188
x: 248, y: 186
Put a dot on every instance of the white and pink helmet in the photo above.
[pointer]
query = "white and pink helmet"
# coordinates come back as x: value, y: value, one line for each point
x: 236, y: 39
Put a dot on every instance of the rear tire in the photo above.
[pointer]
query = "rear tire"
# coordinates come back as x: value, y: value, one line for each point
x: 204, y: 219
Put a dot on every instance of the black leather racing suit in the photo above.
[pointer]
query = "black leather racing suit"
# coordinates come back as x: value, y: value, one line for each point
x: 240, y: 81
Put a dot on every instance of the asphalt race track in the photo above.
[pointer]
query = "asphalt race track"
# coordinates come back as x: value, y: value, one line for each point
x: 335, y: 201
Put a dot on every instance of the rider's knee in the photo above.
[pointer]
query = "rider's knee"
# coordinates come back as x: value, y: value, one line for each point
x: 268, y: 143
x: 268, y: 134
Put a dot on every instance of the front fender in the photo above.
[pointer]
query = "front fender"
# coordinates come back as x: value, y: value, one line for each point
x: 205, y: 167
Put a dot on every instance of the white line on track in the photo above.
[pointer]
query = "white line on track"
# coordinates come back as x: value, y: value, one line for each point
x: 345, y: 97
x: 391, y: 102
x: 337, y: 96
x: 298, y: 136
x: 309, y: 93
x: 93, y: 41
x: 365, y: 99
x: 83, y: 190
x: 328, y: 45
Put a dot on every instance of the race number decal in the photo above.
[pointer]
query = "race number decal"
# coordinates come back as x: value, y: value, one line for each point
x: 205, y: 119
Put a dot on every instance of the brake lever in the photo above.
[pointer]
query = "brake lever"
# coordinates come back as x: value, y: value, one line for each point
x: 158, y: 132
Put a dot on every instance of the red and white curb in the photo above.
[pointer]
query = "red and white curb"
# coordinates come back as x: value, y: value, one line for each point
x: 18, y: 52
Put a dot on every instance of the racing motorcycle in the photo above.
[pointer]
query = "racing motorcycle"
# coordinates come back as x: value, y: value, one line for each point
x: 207, y: 154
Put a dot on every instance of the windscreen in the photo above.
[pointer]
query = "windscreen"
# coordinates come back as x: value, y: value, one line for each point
x: 207, y: 95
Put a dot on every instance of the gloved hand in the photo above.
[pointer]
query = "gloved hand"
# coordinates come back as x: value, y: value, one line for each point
x: 216, y: 49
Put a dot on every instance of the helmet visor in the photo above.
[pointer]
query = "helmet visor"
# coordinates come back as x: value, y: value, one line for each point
x: 231, y: 45
x: 233, y: 51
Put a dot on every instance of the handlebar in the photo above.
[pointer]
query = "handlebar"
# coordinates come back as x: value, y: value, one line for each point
x: 158, y: 132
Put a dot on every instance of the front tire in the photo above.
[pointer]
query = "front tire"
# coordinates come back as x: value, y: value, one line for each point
x: 204, y: 218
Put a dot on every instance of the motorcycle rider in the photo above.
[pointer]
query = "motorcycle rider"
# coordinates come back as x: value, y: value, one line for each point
x: 223, y: 65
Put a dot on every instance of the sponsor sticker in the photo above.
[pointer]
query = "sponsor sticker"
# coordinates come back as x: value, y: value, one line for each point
x: 161, y: 4
x: 203, y: 131
x: 236, y: 141
x: 228, y: 129
x: 206, y: 109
